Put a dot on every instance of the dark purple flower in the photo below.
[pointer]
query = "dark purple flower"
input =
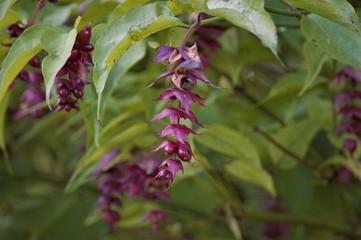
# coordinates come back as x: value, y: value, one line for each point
x: 344, y: 174
x: 156, y: 216
x: 350, y: 144
x: 163, y: 53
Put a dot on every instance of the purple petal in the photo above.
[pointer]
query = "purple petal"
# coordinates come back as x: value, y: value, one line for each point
x: 173, y: 113
x: 350, y: 111
x: 189, y: 64
x: 163, y: 53
x: 352, y: 73
x: 184, y: 96
x: 193, y: 74
x: 180, y: 132
x: 107, y: 158
x: 350, y: 144
x: 164, y: 75
x: 174, y: 165
x: 341, y: 97
x: 156, y: 216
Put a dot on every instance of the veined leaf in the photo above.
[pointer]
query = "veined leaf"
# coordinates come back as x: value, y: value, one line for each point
x: 249, y: 15
x: 338, y: 11
x: 123, y: 32
x: 249, y: 172
x: 335, y: 40
x: 4, y: 5
x: 229, y: 142
x: 297, y: 138
x: 314, y: 59
x: 58, y: 44
x: 22, y: 50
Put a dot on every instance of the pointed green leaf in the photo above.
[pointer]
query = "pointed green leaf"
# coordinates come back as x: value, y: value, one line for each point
x: 95, y: 12
x: 297, y: 138
x: 335, y: 40
x: 58, y: 44
x: 4, y: 5
x: 338, y: 11
x: 255, y: 175
x: 249, y: 15
x: 22, y: 50
x: 124, y: 6
x: 314, y: 59
x: 229, y: 142
x: 123, y: 32
x: 10, y: 17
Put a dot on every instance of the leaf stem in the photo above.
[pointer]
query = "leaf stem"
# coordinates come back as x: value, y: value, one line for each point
x: 301, y: 160
x: 36, y: 10
x: 284, y: 12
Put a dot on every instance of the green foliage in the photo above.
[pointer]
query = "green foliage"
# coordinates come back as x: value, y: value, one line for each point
x: 268, y: 151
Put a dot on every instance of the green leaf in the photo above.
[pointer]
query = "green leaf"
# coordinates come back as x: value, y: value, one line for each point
x: 249, y: 172
x: 58, y: 44
x: 229, y: 142
x: 3, y: 107
x: 10, y: 17
x: 314, y: 59
x: 125, y: 6
x: 123, y: 32
x: 4, y: 5
x: 249, y: 15
x: 22, y: 50
x: 133, y: 55
x: 96, y: 12
x: 288, y: 84
x: 338, y: 11
x: 297, y: 138
x: 84, y: 167
x: 335, y: 40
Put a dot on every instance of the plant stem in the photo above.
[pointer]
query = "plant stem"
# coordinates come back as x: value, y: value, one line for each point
x: 301, y: 160
x: 36, y: 10
x: 283, y: 12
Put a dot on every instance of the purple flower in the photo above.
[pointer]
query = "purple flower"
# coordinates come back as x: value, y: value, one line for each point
x: 156, y: 216
x: 350, y: 144
x: 134, y: 178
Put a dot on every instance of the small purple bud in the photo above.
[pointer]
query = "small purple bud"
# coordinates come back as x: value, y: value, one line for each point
x: 350, y: 144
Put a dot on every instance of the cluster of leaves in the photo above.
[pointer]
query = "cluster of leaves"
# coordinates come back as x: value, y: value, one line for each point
x: 267, y: 165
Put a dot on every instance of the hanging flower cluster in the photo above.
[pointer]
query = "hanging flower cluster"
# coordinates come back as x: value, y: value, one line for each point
x: 34, y: 94
x: 348, y: 106
x: 185, y: 71
x: 70, y: 91
x: 134, y: 178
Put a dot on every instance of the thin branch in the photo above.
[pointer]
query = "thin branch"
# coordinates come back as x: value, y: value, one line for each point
x: 36, y: 10
x: 284, y: 12
x: 301, y: 160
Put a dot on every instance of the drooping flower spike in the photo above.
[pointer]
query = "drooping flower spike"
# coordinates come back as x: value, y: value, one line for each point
x: 185, y: 70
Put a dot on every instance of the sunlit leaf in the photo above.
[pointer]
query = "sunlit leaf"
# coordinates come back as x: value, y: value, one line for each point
x: 58, y: 44
x: 338, y: 11
x: 123, y: 32
x: 249, y: 15
x: 22, y: 50
x: 4, y: 5
x: 335, y: 40
x: 125, y: 6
